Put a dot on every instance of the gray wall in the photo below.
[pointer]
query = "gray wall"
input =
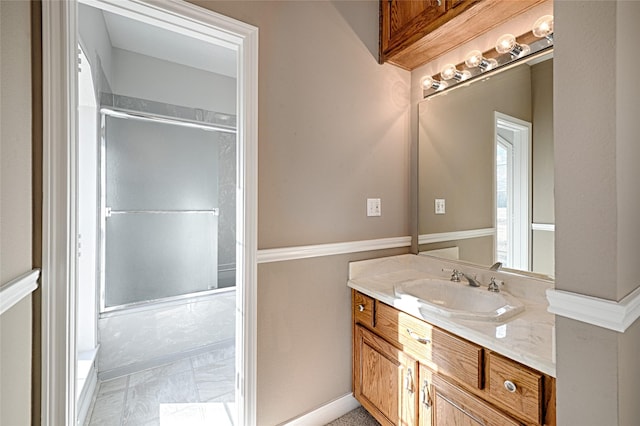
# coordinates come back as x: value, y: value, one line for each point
x: 333, y: 130
x: 597, y: 243
x: 142, y: 76
x: 542, y: 146
x: 456, y: 149
x: 329, y: 44
x: 15, y: 208
x: 542, y: 166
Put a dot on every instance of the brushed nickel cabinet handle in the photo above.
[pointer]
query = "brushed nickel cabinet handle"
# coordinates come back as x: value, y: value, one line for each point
x: 415, y: 336
x: 361, y: 307
x: 425, y: 397
x: 408, y: 381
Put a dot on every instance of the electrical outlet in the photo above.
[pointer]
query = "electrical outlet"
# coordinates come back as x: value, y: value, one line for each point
x: 374, y: 207
x: 439, y: 206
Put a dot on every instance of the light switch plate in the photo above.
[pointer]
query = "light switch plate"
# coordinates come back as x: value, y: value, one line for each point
x: 440, y: 209
x: 374, y: 207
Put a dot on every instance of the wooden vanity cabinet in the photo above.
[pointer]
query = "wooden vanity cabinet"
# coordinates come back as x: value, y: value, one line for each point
x: 411, y: 373
x: 414, y: 32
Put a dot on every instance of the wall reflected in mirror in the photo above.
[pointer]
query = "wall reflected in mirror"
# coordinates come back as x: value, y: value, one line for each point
x: 485, y: 170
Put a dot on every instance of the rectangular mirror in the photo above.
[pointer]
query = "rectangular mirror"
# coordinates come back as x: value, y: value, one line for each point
x: 485, y: 170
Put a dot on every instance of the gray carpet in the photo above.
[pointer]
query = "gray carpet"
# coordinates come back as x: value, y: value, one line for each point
x: 357, y: 417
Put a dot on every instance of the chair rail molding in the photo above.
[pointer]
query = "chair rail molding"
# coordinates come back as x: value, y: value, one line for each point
x: 455, y: 235
x: 610, y: 314
x: 17, y: 289
x: 330, y: 249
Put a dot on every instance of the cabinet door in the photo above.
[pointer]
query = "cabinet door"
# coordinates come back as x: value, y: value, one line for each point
x: 385, y: 379
x: 404, y: 19
x: 453, y: 406
x: 425, y: 402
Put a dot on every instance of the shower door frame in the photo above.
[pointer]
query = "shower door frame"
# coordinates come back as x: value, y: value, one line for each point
x: 59, y: 233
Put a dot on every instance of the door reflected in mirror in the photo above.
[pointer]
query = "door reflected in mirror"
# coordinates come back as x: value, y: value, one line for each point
x: 486, y: 149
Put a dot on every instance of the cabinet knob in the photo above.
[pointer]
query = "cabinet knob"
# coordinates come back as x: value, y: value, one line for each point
x: 510, y: 386
x: 361, y: 307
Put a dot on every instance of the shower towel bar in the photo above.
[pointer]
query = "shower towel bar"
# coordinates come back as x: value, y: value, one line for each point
x: 109, y: 212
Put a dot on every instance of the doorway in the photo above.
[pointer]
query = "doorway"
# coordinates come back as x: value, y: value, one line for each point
x: 512, y: 192
x: 134, y: 112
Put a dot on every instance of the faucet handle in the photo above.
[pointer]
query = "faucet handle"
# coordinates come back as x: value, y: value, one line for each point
x: 455, y: 274
x: 494, y: 285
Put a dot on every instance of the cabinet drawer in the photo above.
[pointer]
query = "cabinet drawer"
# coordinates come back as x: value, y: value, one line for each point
x: 454, y: 406
x: 517, y: 387
x: 442, y: 352
x: 363, y: 307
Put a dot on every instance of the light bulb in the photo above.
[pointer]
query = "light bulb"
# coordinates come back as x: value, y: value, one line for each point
x: 505, y: 43
x: 448, y: 72
x: 475, y: 59
x: 429, y: 83
x: 543, y: 26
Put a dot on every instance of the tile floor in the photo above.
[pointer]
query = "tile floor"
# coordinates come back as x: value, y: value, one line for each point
x: 192, y: 391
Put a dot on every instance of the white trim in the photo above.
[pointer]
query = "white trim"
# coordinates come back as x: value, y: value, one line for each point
x: 327, y: 412
x: 551, y: 227
x: 519, y: 189
x: 455, y: 235
x: 59, y: 47
x: 86, y: 395
x: 247, y: 216
x: 17, y: 289
x: 303, y: 252
x: 617, y: 316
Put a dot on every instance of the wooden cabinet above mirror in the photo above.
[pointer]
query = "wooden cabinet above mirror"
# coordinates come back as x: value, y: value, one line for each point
x: 414, y: 32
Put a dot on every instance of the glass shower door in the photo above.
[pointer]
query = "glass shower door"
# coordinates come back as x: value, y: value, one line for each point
x: 160, y: 205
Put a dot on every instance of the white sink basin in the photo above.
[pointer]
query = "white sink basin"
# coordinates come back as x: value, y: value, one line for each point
x: 459, y: 300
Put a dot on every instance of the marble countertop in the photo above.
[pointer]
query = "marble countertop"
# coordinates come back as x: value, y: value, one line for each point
x: 528, y: 337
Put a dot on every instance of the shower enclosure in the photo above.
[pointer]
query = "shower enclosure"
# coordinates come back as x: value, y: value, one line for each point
x: 160, y: 209
x: 167, y: 234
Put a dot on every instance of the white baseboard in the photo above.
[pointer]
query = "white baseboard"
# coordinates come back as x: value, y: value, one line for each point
x: 327, y: 413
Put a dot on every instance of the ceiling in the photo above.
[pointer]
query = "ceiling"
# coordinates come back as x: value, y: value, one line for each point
x: 139, y: 37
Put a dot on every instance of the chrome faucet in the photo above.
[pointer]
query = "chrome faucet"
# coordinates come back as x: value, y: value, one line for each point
x: 456, y: 274
x: 472, y: 281
x: 496, y: 266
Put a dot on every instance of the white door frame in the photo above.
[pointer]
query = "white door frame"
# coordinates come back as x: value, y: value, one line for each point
x: 59, y: 62
x: 521, y: 227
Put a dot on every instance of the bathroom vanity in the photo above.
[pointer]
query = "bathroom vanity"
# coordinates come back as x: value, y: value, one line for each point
x: 413, y: 365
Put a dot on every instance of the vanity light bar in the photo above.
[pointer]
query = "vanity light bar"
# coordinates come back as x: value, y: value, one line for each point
x: 508, y: 51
